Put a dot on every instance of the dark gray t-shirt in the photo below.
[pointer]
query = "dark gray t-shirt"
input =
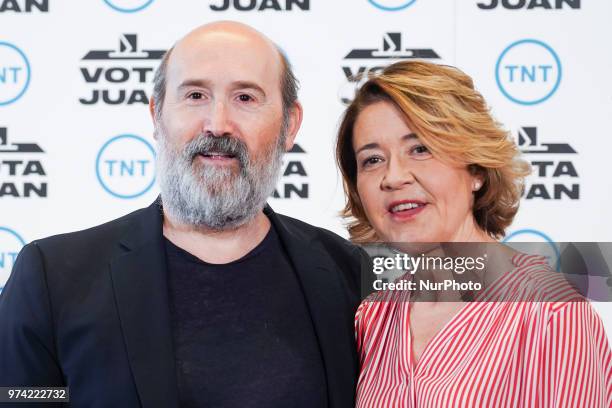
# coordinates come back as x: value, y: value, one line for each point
x: 243, y: 336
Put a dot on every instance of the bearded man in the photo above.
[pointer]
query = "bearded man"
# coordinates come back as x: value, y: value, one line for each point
x: 207, y: 298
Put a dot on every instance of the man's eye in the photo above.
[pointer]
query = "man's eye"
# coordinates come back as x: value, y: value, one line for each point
x: 245, y: 98
x: 196, y: 95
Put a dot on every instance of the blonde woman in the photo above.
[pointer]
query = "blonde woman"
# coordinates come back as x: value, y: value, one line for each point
x: 423, y: 161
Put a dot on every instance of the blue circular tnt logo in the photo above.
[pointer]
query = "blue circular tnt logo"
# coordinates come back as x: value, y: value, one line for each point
x: 128, y: 6
x: 392, y: 5
x: 10, y: 245
x: 535, y: 242
x: 14, y: 73
x: 528, y: 72
x: 125, y: 166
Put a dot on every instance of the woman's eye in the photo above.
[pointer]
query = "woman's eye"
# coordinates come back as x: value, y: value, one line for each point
x: 420, y: 150
x: 196, y: 95
x: 370, y: 161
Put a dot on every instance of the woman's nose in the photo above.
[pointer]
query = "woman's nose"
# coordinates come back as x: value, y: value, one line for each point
x: 397, y: 175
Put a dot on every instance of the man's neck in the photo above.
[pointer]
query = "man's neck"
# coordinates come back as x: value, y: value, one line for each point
x: 217, y: 247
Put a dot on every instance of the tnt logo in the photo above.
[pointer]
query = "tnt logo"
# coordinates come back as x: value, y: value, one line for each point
x: 125, y: 166
x: 14, y: 73
x: 10, y: 245
x: 528, y: 72
x: 392, y: 5
x: 128, y: 6
x: 534, y: 242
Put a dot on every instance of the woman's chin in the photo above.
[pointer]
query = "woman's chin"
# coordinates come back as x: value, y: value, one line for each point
x: 401, y: 236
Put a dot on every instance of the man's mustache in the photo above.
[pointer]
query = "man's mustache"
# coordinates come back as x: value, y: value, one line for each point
x: 225, y: 145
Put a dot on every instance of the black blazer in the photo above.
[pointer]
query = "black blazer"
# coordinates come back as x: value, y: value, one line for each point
x: 90, y: 310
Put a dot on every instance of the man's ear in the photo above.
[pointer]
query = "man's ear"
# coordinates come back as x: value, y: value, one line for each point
x: 295, y: 121
x: 152, y: 109
x: 153, y: 116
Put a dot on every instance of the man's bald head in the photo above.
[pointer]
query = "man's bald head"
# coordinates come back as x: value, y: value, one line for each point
x: 229, y: 31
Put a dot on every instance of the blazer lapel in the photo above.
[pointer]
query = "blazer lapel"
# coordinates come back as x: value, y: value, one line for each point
x: 139, y: 279
x: 327, y: 302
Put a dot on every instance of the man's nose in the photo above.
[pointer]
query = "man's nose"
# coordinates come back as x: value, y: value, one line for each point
x: 218, y: 121
x: 398, y: 174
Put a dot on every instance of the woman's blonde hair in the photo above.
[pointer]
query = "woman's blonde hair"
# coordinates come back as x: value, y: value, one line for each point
x: 453, y: 120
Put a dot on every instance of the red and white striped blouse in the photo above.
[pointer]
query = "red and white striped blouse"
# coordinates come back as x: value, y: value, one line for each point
x: 490, y: 354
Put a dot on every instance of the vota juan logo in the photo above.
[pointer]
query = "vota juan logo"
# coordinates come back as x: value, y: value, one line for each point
x: 528, y: 4
x: 22, y: 171
x: 555, y: 176
x: 24, y: 6
x: 294, y: 181
x: 260, y: 5
x: 121, y: 76
x: 360, y: 62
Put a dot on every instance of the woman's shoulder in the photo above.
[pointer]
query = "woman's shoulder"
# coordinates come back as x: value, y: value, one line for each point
x: 380, y: 306
x: 533, y: 279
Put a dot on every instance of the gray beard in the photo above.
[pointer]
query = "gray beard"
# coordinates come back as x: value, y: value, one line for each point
x: 217, y: 198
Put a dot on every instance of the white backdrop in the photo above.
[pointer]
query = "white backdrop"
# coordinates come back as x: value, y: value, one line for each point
x: 67, y: 163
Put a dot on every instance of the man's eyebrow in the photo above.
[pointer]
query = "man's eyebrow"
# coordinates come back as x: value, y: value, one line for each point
x: 203, y: 83
x: 370, y: 146
x: 248, y: 85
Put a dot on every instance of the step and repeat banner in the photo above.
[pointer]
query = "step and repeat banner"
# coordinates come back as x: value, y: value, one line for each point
x: 76, y: 146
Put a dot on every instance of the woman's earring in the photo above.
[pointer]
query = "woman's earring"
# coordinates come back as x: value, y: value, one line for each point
x: 476, y: 186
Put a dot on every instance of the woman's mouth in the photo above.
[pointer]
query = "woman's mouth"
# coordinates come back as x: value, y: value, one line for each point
x: 405, y: 210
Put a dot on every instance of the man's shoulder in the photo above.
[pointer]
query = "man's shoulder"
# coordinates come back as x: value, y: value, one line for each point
x: 313, y: 231
x: 326, y: 248
x: 100, y: 237
x: 306, y: 234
